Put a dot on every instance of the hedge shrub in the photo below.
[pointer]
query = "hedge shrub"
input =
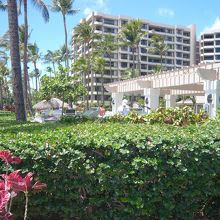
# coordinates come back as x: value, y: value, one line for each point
x: 120, y: 171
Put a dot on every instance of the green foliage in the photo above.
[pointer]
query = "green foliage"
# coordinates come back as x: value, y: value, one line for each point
x: 120, y: 171
x: 62, y: 85
x: 175, y: 116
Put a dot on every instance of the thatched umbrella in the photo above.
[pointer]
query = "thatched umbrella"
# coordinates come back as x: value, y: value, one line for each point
x: 54, y: 103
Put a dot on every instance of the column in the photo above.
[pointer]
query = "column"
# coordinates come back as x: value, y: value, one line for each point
x: 212, y: 97
x: 170, y: 100
x: 116, y: 101
x: 151, y: 99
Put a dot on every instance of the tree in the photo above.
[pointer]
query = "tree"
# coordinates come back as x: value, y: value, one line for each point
x: 107, y: 45
x: 99, y: 68
x: 3, y: 6
x: 131, y: 35
x: 128, y: 74
x: 15, y: 61
x: 65, y: 8
x: 62, y: 86
x: 45, y: 14
x: 84, y: 34
x: 3, y: 83
x: 34, y: 56
x: 159, y: 47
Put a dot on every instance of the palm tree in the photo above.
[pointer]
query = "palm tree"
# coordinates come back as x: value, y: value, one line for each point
x: 43, y: 8
x: 107, y: 46
x: 99, y: 67
x: 50, y: 57
x: 3, y: 6
x: 131, y: 35
x: 34, y: 56
x: 65, y: 7
x: 159, y: 47
x: 15, y: 60
x: 84, y: 34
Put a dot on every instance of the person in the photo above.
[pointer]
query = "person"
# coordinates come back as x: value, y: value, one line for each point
x: 101, y: 111
x: 124, y: 109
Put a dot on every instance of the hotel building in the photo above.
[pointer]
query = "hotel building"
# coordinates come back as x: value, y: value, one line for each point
x: 180, y: 39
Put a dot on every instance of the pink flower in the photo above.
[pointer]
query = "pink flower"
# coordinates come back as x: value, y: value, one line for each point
x: 8, y: 158
x: 4, y: 198
x: 19, y: 184
x: 39, y: 185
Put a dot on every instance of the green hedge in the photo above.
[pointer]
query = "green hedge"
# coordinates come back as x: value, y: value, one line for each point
x: 120, y: 171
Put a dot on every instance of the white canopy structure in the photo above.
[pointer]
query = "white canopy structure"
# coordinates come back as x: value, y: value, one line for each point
x: 202, y: 80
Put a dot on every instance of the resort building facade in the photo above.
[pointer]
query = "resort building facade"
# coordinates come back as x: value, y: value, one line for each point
x: 180, y: 39
x: 210, y: 47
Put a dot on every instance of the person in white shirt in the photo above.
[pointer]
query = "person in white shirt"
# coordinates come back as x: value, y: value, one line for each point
x: 124, y: 109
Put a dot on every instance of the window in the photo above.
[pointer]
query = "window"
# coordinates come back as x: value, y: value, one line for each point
x: 124, y: 48
x: 217, y: 35
x: 143, y: 58
x: 208, y: 36
x: 178, y: 54
x: 217, y: 50
x: 179, y: 47
x: 143, y: 66
x: 109, y: 21
x: 217, y: 57
x: 208, y: 58
x: 124, y: 65
x: 143, y: 50
x: 217, y: 42
x: 144, y: 42
x: 210, y: 50
x: 124, y: 56
x: 209, y: 43
x: 179, y: 62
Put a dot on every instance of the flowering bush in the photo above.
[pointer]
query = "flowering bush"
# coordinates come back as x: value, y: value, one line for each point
x: 11, y: 184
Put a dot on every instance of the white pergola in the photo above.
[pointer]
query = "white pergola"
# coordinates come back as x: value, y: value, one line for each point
x: 201, y: 80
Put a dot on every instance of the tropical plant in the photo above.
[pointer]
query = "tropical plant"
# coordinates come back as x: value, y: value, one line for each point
x: 3, y: 6
x: 45, y: 14
x: 84, y: 34
x: 159, y: 47
x: 15, y: 61
x: 106, y: 45
x: 99, y: 64
x: 34, y: 55
x: 12, y: 184
x: 65, y: 8
x: 131, y: 35
x: 62, y: 85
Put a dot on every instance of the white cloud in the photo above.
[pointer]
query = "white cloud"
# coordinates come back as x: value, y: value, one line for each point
x: 87, y: 11
x: 214, y: 26
x: 95, y: 5
x: 165, y: 12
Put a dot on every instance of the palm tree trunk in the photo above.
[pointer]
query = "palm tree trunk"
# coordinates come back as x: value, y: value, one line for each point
x: 139, y: 63
x: 66, y: 41
x: 102, y: 81
x: 161, y: 62
x: 53, y: 66
x: 97, y: 92
x: 36, y: 76
x: 110, y: 62
x: 1, y: 93
x: 133, y: 68
x: 25, y: 56
x: 15, y: 61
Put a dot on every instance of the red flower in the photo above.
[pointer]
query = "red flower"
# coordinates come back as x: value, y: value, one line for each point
x: 8, y: 158
x: 18, y: 183
x: 4, y: 198
x: 39, y: 185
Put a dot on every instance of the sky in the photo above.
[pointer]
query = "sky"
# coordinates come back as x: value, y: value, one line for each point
x: 50, y: 36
